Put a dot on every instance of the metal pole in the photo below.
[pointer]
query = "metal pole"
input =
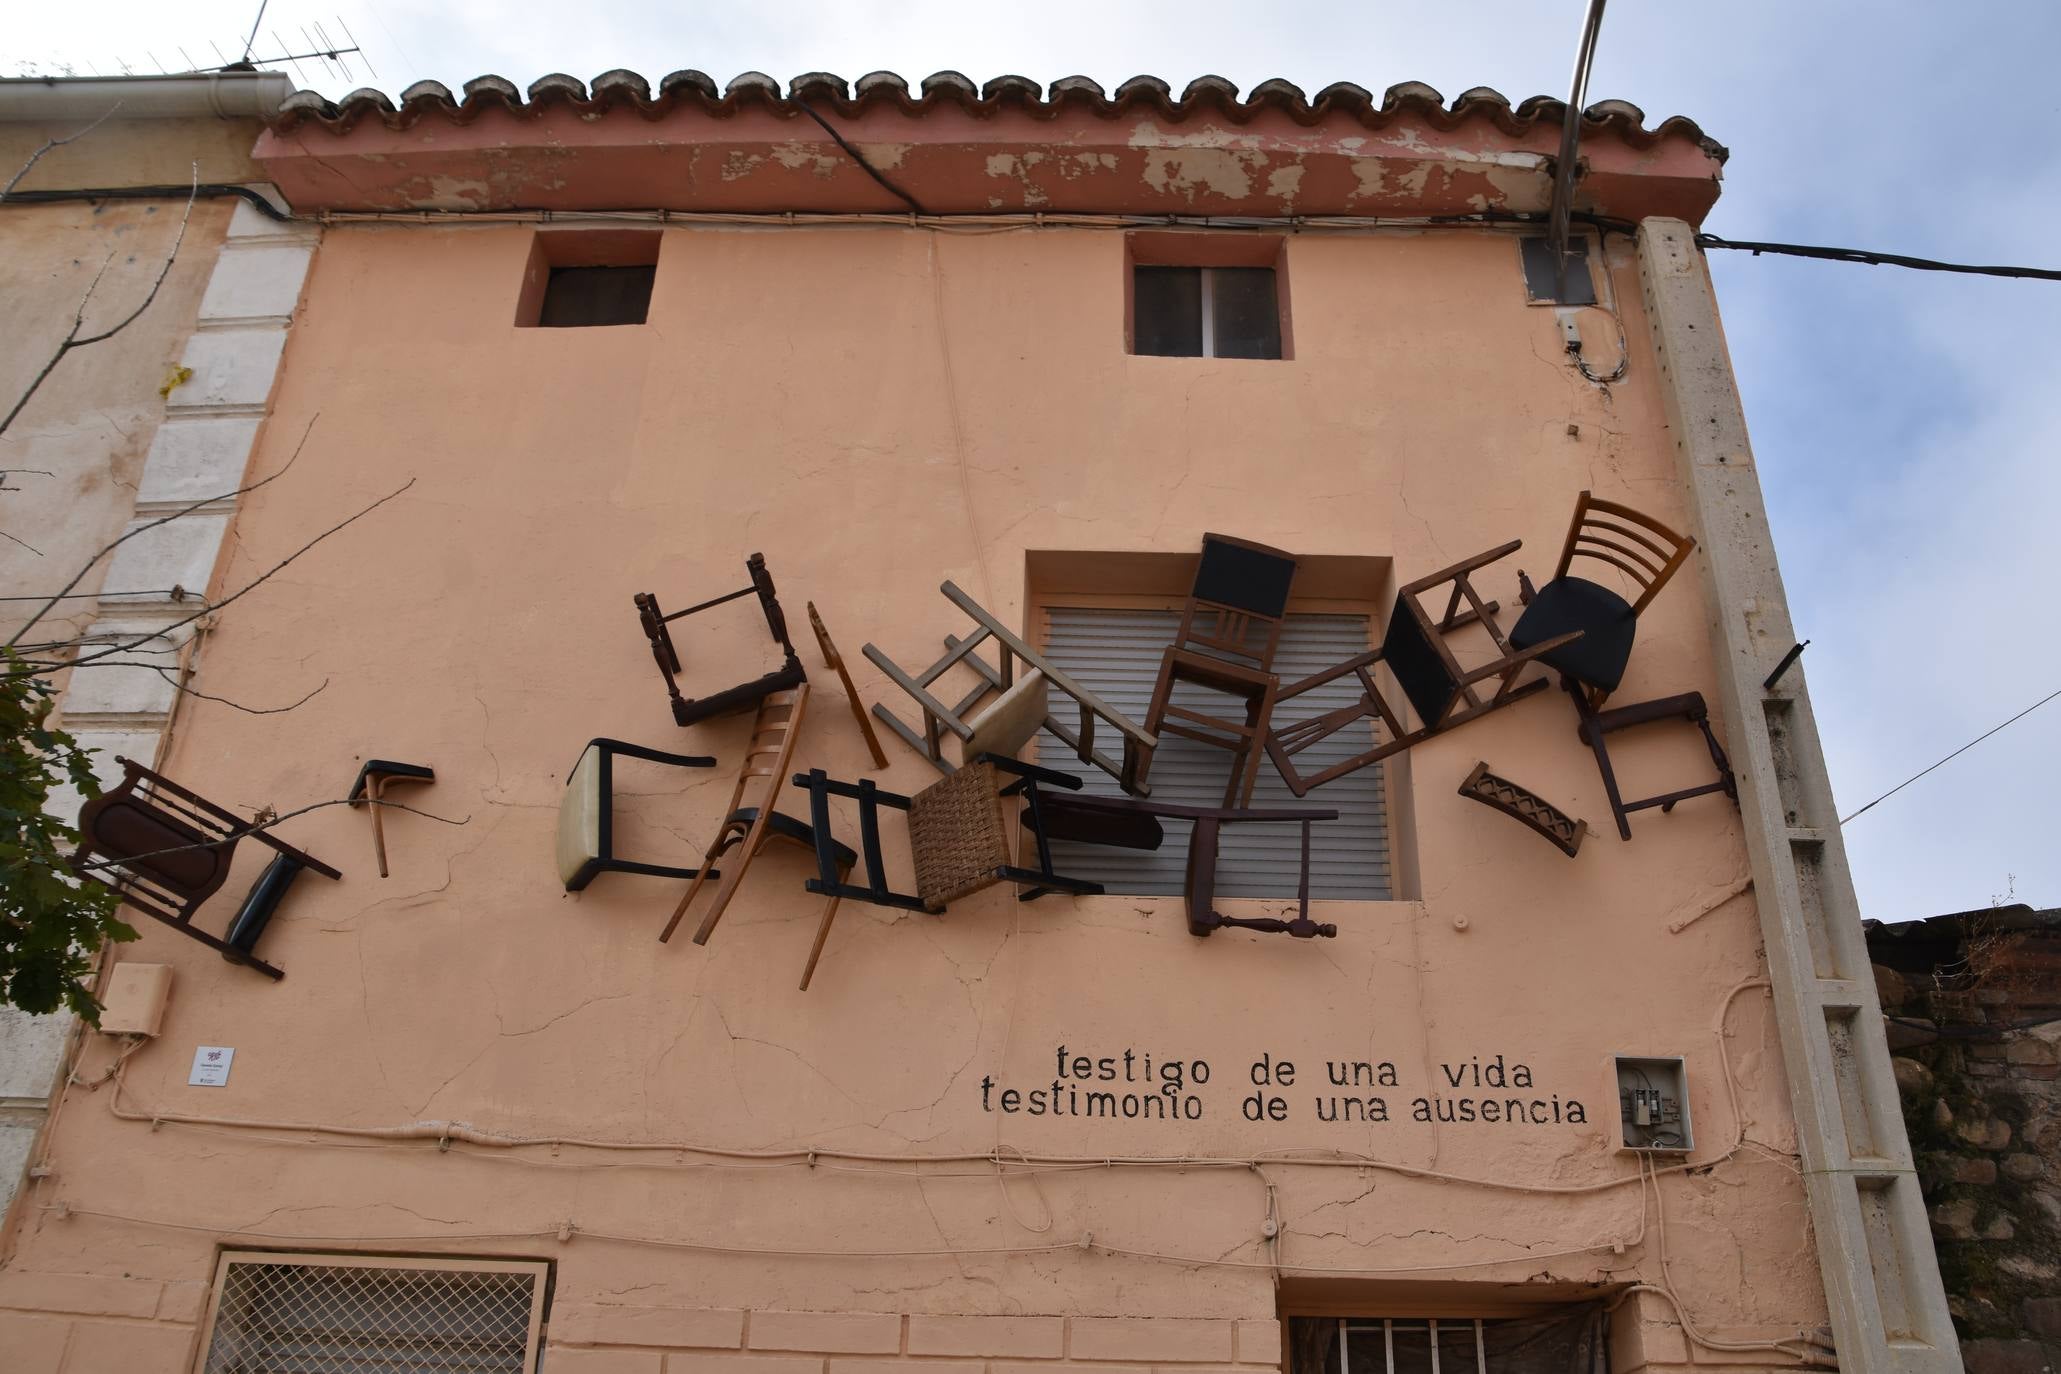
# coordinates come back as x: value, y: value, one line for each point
x: 1570, y: 139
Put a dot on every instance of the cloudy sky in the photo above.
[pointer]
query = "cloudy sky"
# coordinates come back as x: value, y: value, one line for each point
x: 1906, y: 424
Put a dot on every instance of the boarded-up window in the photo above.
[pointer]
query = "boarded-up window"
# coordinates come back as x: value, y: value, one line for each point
x: 330, y: 1314
x: 1116, y: 654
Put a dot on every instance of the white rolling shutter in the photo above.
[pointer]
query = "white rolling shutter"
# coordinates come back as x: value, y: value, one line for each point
x: 1116, y: 653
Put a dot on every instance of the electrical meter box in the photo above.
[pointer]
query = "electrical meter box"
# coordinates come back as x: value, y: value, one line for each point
x: 1653, y: 1105
x: 133, y: 1003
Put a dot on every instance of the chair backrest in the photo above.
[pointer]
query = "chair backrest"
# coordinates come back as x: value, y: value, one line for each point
x: 1239, y: 600
x: 168, y: 851
x: 775, y: 731
x: 1635, y: 544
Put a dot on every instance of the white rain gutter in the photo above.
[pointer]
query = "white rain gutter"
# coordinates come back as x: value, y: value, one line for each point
x: 220, y: 95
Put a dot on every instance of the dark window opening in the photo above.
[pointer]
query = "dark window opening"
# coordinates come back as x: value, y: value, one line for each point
x: 575, y: 297
x: 1205, y: 312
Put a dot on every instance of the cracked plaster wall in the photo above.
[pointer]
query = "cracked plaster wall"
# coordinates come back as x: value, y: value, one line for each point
x: 790, y: 394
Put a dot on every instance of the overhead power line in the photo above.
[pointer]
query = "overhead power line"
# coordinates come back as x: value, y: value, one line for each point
x: 1872, y: 259
x: 1956, y: 754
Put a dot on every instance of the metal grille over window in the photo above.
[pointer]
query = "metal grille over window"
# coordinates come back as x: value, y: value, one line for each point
x: 1573, y: 1340
x: 1116, y: 654
x: 322, y: 1315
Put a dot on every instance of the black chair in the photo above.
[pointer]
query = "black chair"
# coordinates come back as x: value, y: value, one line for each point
x: 586, y: 815
x: 166, y: 850
x: 1642, y: 548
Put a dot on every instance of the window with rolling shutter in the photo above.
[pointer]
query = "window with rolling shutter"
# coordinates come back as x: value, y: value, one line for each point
x: 1116, y: 653
x: 347, y: 1314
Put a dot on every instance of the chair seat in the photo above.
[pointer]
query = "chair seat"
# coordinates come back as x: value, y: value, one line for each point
x: 787, y: 827
x: 1604, y: 618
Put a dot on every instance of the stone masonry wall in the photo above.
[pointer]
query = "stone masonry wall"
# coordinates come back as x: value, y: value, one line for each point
x: 1974, y: 1008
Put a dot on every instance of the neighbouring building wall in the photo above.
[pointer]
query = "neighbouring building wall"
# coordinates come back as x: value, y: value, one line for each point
x: 1974, y: 1002
x: 123, y: 432
x: 878, y: 409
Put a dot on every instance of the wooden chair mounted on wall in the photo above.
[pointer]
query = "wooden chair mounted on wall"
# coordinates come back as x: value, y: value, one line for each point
x: 749, y: 828
x: 1130, y: 823
x: 165, y: 850
x: 958, y: 839
x: 1637, y: 545
x: 961, y: 720
x: 1597, y: 726
x: 658, y: 629
x: 1414, y: 649
x: 1229, y: 633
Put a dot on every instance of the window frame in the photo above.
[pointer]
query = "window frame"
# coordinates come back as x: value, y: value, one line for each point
x: 554, y: 249
x: 1207, y: 250
x: 540, y: 1294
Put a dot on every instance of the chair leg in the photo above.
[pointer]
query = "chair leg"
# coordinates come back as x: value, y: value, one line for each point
x: 1591, y: 731
x: 1259, y: 718
x: 823, y: 931
x: 715, y: 851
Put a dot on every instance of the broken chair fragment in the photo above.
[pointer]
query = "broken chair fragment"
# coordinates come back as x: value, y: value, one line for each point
x: 958, y: 839
x: 749, y: 828
x: 833, y: 660
x: 586, y: 814
x: 1133, y: 824
x: 1229, y: 633
x: 1017, y: 696
x: 166, y: 850
x: 657, y: 628
x: 1434, y: 685
x: 1562, y: 831
x: 370, y: 787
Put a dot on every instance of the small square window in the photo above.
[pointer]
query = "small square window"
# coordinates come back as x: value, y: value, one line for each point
x: 582, y: 278
x: 1205, y: 312
x: 579, y: 296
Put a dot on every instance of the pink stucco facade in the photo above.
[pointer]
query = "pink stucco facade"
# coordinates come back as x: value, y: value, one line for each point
x: 730, y: 1176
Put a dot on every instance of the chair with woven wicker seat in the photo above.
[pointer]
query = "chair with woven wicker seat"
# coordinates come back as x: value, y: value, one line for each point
x: 958, y: 838
x: 775, y: 732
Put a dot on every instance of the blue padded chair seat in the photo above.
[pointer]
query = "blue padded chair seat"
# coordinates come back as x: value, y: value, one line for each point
x: 1605, y: 619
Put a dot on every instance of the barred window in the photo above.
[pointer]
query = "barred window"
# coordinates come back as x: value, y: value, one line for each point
x: 342, y: 1314
x: 1571, y: 1340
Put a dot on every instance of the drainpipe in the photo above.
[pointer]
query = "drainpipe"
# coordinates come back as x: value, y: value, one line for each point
x: 1570, y: 138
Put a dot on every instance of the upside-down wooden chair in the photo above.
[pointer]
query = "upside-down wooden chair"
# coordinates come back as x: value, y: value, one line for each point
x: 1591, y: 667
x: 586, y: 814
x: 1135, y: 824
x: 965, y: 723
x: 1229, y: 633
x: 165, y: 850
x: 1435, y: 686
x: 750, y: 828
x: 658, y: 629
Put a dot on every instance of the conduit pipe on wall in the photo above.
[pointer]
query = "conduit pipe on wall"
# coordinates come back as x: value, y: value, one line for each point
x: 220, y: 95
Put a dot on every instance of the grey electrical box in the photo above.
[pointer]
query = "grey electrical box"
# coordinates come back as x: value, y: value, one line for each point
x: 1653, y: 1105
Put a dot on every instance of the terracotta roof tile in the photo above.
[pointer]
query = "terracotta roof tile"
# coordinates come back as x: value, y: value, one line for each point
x: 623, y: 89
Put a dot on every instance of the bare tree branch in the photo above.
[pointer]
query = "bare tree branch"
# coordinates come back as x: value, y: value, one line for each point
x: 37, y: 156
x: 74, y: 339
x: 167, y: 674
x: 64, y: 592
x: 255, y: 826
x: 34, y: 668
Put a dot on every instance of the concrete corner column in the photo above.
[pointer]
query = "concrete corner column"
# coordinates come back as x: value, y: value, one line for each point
x: 1881, y: 1276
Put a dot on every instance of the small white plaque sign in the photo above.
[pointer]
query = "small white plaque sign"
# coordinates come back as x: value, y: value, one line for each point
x: 211, y: 1066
